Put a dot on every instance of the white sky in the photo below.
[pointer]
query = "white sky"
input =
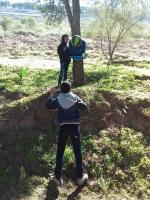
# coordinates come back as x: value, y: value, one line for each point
x: 12, y: 1
x: 83, y: 2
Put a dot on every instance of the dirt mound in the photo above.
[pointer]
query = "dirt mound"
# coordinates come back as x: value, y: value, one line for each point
x: 102, y: 114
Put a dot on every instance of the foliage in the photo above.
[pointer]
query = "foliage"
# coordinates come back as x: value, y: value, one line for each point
x: 118, y: 158
x: 22, y: 73
x: 25, y: 5
x: 114, y: 158
x: 114, y: 79
x: 116, y: 21
x: 4, y: 3
x: 52, y: 10
x: 28, y: 22
x: 5, y: 23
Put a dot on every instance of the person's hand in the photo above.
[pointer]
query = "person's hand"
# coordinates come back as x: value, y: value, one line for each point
x: 65, y: 48
x: 52, y: 91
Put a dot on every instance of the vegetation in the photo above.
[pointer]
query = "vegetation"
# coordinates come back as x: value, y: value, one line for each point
x: 5, y: 23
x: 28, y: 22
x: 116, y: 157
x: 115, y: 160
x: 4, y: 3
x: 116, y: 21
x: 25, y: 5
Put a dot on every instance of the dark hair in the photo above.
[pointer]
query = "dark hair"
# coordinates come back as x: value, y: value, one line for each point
x: 65, y: 87
x: 63, y: 36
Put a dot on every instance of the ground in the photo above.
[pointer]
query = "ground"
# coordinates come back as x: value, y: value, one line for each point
x: 115, y: 129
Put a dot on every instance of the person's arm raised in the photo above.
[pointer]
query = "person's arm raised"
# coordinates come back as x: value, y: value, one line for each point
x: 81, y: 104
x: 52, y: 102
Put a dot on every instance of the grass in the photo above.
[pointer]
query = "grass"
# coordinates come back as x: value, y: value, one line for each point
x: 119, y: 159
x: 116, y: 78
x: 116, y: 159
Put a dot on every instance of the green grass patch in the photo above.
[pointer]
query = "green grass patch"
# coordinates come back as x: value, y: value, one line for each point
x: 114, y: 158
x: 118, y: 159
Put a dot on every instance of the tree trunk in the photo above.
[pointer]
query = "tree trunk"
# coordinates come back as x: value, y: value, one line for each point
x: 74, y: 21
x: 73, y: 16
x: 69, y: 13
x: 111, y: 58
x: 78, y: 73
x: 76, y: 17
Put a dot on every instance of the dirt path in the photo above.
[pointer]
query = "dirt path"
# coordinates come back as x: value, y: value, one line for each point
x: 43, y: 63
x: 30, y: 62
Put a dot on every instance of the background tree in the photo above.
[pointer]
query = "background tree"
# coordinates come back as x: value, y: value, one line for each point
x: 4, y: 4
x: 5, y: 23
x: 57, y: 10
x: 28, y: 22
x: 25, y: 5
x: 116, y: 18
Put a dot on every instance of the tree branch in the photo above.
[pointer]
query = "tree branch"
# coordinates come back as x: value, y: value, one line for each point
x: 69, y: 12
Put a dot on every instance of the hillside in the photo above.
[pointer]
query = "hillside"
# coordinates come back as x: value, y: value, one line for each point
x: 115, y: 131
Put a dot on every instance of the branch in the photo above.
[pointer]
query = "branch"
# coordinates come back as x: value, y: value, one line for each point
x: 103, y: 50
x: 130, y: 27
x: 68, y: 11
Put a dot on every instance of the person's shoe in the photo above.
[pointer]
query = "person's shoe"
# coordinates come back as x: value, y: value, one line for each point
x: 59, y: 182
x: 84, y: 179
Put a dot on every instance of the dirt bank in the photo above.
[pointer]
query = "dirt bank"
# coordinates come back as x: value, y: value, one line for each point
x: 102, y: 114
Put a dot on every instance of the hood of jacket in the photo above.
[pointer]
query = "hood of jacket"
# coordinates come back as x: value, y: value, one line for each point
x: 67, y: 100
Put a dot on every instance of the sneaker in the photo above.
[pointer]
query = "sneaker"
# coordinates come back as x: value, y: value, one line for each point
x: 59, y: 182
x: 84, y: 179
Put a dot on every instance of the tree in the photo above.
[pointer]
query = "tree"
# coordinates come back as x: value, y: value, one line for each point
x: 5, y: 23
x: 25, y: 5
x: 116, y: 18
x: 4, y: 3
x: 28, y: 22
x: 55, y: 11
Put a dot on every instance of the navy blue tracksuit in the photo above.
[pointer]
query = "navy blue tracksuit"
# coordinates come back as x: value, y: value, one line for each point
x: 68, y: 105
x: 64, y: 56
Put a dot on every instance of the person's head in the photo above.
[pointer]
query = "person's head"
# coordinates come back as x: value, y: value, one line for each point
x: 65, y: 39
x: 65, y: 87
x: 76, y: 41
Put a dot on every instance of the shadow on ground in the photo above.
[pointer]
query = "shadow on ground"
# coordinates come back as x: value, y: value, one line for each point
x: 77, y: 191
x: 21, y: 159
x: 52, y: 191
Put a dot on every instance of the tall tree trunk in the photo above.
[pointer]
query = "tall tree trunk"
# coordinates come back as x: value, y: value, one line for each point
x: 69, y: 13
x: 74, y: 21
x: 78, y: 73
x: 78, y: 68
x: 76, y: 17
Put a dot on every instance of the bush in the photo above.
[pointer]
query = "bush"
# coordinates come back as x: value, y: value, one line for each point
x: 5, y: 23
x: 28, y: 22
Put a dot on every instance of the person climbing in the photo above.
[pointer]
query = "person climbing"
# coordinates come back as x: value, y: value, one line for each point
x: 64, y: 56
x: 77, y: 48
x: 68, y: 105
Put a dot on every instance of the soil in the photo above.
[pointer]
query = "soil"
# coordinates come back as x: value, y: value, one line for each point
x: 112, y: 111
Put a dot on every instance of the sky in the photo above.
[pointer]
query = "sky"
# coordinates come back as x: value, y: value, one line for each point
x: 83, y: 2
x: 12, y: 1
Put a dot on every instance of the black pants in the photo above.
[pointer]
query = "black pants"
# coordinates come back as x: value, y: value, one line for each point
x: 63, y: 72
x: 66, y: 131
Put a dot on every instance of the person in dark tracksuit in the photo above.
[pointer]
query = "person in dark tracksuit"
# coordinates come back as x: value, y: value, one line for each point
x: 68, y: 105
x: 64, y: 56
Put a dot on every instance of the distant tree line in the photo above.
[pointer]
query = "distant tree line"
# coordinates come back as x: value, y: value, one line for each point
x: 4, y: 3
x: 25, y: 5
